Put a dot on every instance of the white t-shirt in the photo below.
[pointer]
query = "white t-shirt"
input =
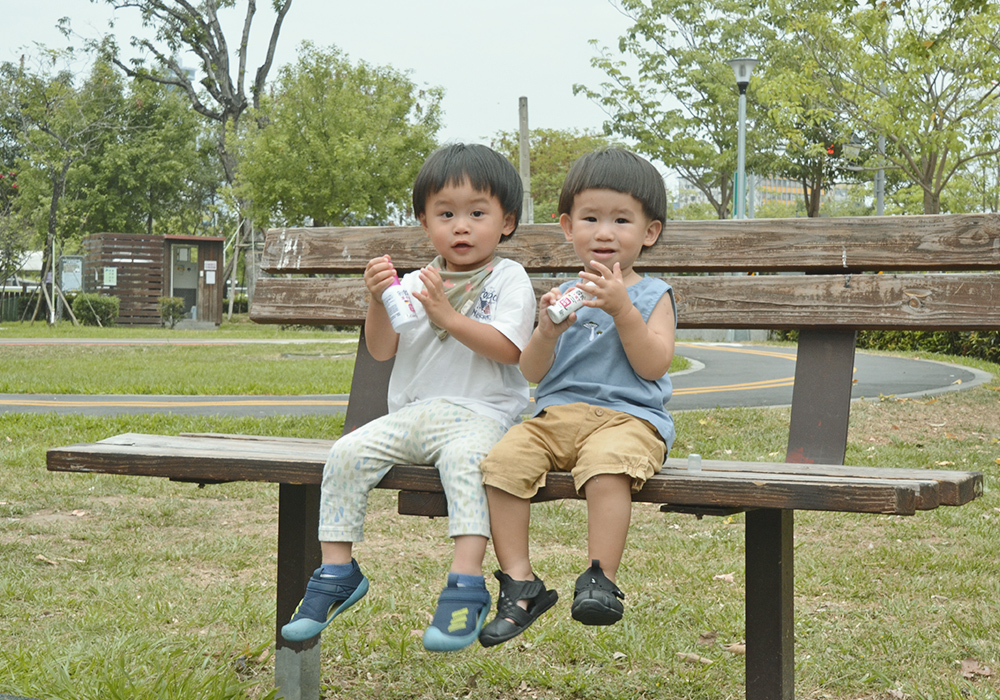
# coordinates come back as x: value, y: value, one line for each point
x: 429, y: 368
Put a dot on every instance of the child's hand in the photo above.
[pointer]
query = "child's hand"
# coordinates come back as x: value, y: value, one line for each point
x: 379, y: 275
x: 433, y: 297
x: 546, y: 327
x: 609, y: 291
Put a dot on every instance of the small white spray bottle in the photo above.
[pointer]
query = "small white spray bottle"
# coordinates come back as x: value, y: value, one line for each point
x: 399, y: 306
x: 566, y: 304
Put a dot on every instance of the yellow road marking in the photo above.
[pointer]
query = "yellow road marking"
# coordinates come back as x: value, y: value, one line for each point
x: 766, y: 384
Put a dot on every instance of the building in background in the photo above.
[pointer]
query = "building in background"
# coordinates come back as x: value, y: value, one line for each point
x: 139, y: 269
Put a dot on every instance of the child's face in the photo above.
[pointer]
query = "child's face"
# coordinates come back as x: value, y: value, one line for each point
x: 609, y: 227
x: 465, y: 225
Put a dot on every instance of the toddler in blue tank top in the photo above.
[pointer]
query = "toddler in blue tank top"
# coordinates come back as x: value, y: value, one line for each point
x: 602, y: 384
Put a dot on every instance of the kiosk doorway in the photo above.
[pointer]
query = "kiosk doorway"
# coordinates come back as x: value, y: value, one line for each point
x: 184, y: 277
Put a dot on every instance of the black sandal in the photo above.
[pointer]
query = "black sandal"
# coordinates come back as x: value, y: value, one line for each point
x: 511, y: 618
x: 596, y: 600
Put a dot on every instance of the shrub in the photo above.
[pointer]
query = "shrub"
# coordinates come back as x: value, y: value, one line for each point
x: 25, y: 306
x: 96, y: 309
x: 240, y: 304
x: 171, y: 310
x: 982, y: 345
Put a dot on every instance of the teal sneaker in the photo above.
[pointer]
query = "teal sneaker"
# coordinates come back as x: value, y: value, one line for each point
x: 460, y: 615
x: 325, y: 598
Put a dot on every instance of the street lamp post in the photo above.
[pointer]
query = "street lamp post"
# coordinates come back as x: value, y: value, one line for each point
x: 742, y: 67
x: 880, y: 178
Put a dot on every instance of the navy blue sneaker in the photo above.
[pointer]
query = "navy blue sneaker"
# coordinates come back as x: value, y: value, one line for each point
x: 325, y: 598
x: 460, y: 615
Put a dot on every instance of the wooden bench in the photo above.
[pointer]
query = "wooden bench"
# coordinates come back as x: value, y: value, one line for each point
x: 833, y: 294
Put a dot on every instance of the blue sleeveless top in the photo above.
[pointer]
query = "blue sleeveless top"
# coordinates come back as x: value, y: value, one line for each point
x: 591, y: 367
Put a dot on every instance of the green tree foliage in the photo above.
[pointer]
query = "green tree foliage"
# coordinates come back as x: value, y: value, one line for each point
x: 976, y: 189
x: 13, y: 241
x: 681, y: 107
x: 681, y: 104
x: 921, y: 74
x: 160, y: 177
x: 108, y: 155
x: 342, y: 145
x: 551, y: 153
x: 801, y: 132
x: 221, y: 94
x: 56, y: 126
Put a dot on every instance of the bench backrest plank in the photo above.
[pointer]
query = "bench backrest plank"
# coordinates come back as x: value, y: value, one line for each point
x: 952, y: 301
x: 846, y: 244
x: 832, y: 252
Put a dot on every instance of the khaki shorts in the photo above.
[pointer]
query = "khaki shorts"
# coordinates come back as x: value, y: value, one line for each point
x: 584, y: 440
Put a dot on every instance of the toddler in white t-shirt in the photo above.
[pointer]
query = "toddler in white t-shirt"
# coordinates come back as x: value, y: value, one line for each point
x: 454, y: 390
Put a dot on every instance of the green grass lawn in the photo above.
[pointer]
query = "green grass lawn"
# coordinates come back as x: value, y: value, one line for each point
x: 324, y: 365
x: 238, y: 327
x: 124, y: 587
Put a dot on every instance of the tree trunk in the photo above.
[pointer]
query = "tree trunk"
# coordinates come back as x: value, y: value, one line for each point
x: 48, y: 255
x: 932, y: 202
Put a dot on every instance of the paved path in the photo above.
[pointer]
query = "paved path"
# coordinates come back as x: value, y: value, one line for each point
x: 723, y: 375
x: 754, y: 375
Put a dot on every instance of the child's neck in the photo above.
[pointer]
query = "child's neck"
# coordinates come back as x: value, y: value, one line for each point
x: 630, y: 277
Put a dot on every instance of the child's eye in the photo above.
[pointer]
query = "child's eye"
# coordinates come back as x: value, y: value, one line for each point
x: 621, y: 220
x: 477, y: 213
x: 591, y: 219
x: 446, y: 215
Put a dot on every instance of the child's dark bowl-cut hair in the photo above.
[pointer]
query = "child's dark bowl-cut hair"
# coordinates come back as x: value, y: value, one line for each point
x: 619, y: 170
x: 485, y: 169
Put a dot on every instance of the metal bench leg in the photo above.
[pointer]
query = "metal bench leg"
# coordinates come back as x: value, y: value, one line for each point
x: 770, y: 608
x: 296, y: 665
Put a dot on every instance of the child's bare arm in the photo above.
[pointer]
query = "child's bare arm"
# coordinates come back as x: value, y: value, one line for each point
x: 380, y: 338
x: 538, y: 354
x: 482, y: 338
x: 649, y: 345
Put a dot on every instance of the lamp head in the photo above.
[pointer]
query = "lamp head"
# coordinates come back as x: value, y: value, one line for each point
x: 852, y: 149
x: 742, y: 68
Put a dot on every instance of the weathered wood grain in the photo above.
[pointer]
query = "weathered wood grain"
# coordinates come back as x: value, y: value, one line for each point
x: 851, y: 301
x: 888, y: 243
x: 218, y: 458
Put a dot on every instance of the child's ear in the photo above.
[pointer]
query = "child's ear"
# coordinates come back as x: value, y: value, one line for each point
x: 509, y: 223
x: 422, y: 218
x: 567, y: 226
x: 652, y: 232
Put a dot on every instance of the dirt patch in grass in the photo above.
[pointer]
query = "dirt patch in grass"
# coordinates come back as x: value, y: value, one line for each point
x: 959, y: 416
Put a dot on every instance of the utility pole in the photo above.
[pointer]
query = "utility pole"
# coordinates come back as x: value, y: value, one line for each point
x: 528, y: 208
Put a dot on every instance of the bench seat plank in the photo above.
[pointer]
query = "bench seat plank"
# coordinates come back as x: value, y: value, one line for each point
x: 211, y: 458
x: 957, y: 487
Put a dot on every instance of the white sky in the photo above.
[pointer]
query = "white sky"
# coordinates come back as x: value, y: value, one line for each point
x: 484, y: 54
